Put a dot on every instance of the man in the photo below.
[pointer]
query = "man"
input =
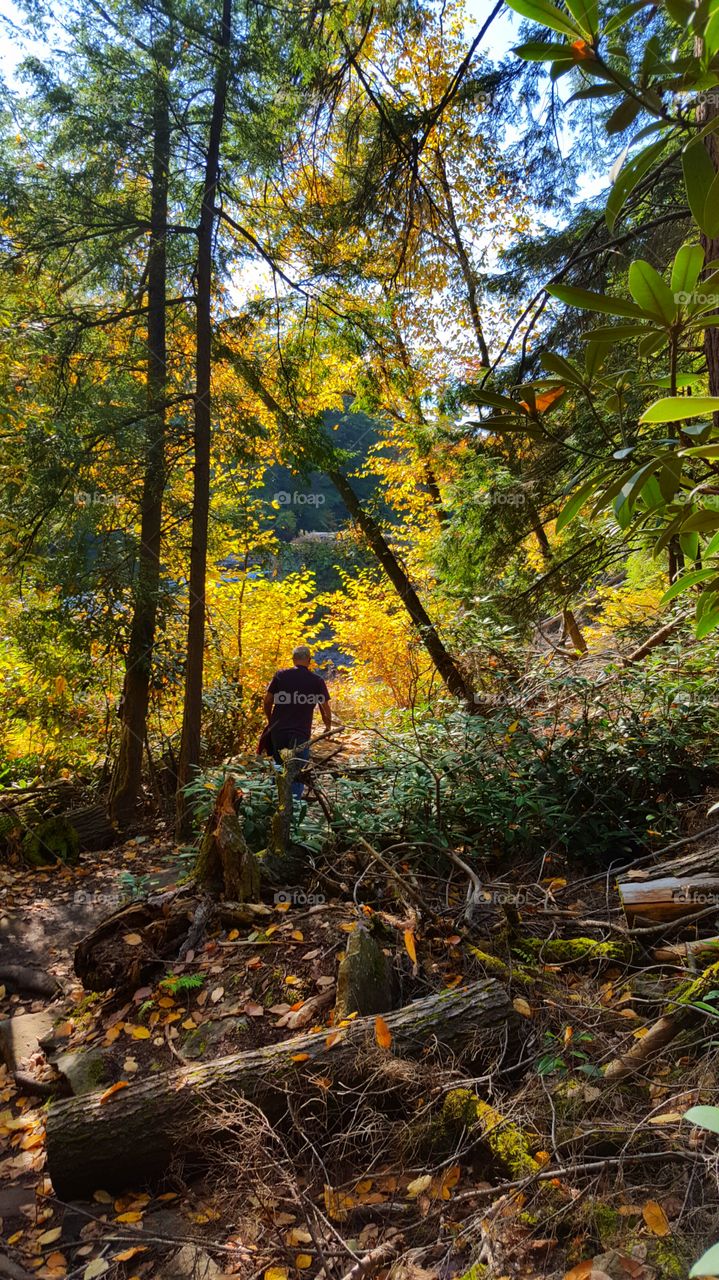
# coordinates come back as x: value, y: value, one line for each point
x: 290, y: 701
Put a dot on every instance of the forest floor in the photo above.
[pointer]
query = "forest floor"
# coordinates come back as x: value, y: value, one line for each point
x: 559, y: 1172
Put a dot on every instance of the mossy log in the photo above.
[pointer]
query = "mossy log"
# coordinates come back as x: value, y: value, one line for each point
x: 565, y: 950
x: 507, y: 1142
x: 681, y: 1012
x: 134, y: 1134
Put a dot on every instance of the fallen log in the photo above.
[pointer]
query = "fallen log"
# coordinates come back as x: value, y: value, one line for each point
x: 668, y: 898
x: 702, y: 949
x: 112, y: 1142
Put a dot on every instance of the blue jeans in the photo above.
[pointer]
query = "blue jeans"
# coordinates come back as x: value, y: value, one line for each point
x: 284, y: 740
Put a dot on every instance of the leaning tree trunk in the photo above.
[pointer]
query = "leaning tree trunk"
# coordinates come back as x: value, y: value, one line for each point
x: 135, y: 1133
x: 441, y: 657
x: 127, y: 773
x: 192, y: 714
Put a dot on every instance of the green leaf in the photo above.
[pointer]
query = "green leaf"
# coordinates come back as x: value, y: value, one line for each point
x: 701, y: 522
x: 709, y: 621
x: 701, y: 451
x: 547, y: 16
x: 563, y: 369
x: 708, y: 1264
x: 680, y: 408
x: 712, y: 547
x: 651, y: 292
x: 710, y: 223
x: 686, y: 581
x: 586, y: 13
x: 623, y: 115
x: 574, y: 506
x: 537, y: 51
x: 698, y: 179
x: 669, y: 476
x: 573, y: 297
x: 616, y: 332
x: 628, y: 178
x: 478, y: 396
x: 689, y: 543
x: 705, y: 1117
x: 630, y: 491
x: 686, y: 269
x: 624, y: 15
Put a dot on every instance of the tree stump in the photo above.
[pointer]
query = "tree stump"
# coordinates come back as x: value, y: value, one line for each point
x: 225, y: 865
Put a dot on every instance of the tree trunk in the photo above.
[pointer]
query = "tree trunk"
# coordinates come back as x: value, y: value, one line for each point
x: 134, y: 1134
x: 192, y: 714
x: 127, y: 773
x: 446, y: 666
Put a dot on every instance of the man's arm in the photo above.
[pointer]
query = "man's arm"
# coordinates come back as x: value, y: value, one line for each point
x: 268, y: 702
x: 326, y: 713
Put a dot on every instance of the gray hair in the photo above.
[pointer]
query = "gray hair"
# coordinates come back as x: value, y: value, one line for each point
x: 301, y: 653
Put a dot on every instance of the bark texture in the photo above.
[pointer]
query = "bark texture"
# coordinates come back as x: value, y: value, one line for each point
x: 134, y: 1134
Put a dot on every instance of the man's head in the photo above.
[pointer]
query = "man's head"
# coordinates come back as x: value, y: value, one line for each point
x: 301, y: 656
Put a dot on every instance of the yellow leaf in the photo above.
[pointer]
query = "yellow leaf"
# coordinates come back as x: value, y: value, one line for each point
x: 581, y: 1271
x: 277, y: 1273
x: 233, y: 935
x: 132, y: 1215
x: 656, y: 1219
x: 409, y: 943
x: 332, y: 1038
x: 132, y: 939
x: 542, y: 1157
x: 521, y: 1005
x: 299, y: 936
x: 666, y: 1117
x: 140, y: 1033
x: 114, y: 1088
x: 129, y: 1253
x: 60, y: 685
x: 300, y: 1057
x: 418, y: 1185
x: 49, y: 1237
x: 382, y: 1033
x: 303, y: 1260
x: 451, y: 1176
x: 98, y: 1267
x: 348, y: 928
x: 337, y: 1203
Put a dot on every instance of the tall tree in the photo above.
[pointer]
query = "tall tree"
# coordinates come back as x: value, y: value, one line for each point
x: 127, y: 773
x: 192, y: 714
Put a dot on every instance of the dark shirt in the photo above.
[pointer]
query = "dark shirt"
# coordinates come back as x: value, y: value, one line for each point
x: 296, y: 691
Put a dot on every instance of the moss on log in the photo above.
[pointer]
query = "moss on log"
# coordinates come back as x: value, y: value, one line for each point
x: 135, y: 1133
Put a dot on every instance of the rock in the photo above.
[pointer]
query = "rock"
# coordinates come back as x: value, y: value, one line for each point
x: 86, y: 1071
x: 615, y: 1265
x: 203, y: 1041
x: 20, y: 1036
x: 189, y: 1263
x: 365, y: 982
